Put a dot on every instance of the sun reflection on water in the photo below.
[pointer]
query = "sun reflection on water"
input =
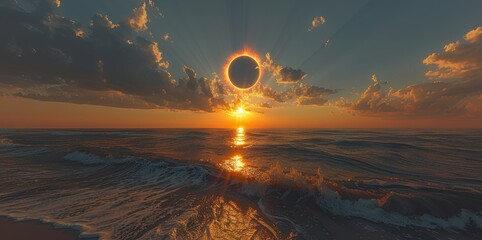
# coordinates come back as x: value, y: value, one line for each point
x: 239, y: 138
x: 235, y: 163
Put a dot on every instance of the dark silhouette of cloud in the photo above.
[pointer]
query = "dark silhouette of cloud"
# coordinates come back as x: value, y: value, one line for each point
x: 290, y: 75
x: 283, y: 74
x: 52, y: 58
x: 302, y: 94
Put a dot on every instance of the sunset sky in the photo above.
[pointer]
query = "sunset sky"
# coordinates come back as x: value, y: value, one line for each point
x: 157, y: 64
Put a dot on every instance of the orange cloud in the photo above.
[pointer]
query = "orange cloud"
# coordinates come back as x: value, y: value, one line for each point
x: 139, y: 20
x: 316, y: 22
x: 153, y: 49
x: 460, y: 62
x: 459, y: 59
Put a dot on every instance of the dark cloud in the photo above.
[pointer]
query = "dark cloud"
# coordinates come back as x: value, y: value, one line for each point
x: 283, y: 74
x: 270, y: 93
x: 312, y: 101
x: 48, y: 57
x: 307, y: 91
x: 290, y: 75
x: 303, y: 94
x: 311, y: 95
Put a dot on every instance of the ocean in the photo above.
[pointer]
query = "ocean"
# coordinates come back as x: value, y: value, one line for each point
x: 246, y: 183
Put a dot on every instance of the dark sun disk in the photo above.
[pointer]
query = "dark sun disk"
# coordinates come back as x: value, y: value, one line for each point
x: 243, y: 72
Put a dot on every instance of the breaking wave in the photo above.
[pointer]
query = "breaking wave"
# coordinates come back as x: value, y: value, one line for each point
x: 389, y: 207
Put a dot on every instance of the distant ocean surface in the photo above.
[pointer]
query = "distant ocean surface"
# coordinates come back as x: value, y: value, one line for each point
x: 246, y: 183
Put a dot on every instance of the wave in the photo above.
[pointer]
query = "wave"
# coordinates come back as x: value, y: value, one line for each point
x: 160, y: 170
x: 95, y: 133
x: 372, y: 209
x: 390, y: 208
x: 92, y: 159
x: 4, y: 141
x: 11, y: 149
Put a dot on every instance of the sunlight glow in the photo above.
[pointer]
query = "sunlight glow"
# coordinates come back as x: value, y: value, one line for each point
x: 234, y: 164
x: 240, y: 130
x: 245, y: 52
x: 240, y: 111
x: 239, y: 138
x: 237, y: 163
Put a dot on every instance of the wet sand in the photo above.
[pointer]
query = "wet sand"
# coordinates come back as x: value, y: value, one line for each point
x: 32, y: 229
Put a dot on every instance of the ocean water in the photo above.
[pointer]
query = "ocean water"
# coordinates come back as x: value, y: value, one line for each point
x: 246, y: 183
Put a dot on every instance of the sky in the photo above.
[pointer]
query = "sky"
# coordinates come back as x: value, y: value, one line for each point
x: 162, y: 63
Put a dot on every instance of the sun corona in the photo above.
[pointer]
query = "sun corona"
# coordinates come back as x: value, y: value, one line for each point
x: 243, y: 70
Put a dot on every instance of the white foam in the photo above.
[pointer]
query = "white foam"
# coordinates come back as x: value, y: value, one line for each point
x: 332, y: 202
x: 4, y: 141
x: 148, y: 171
x: 89, y: 158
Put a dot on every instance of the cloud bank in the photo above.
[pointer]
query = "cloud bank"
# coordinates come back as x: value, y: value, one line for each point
x: 52, y: 58
x: 49, y: 57
x: 302, y: 94
x: 459, y: 65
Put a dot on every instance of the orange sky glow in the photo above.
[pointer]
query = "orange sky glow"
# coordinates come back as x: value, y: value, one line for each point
x: 25, y: 113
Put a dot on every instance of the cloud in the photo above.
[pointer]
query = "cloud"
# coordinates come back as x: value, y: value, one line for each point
x: 460, y: 59
x: 302, y: 94
x: 311, y: 95
x: 270, y: 93
x: 425, y: 99
x: 283, y: 74
x: 316, y: 22
x: 266, y: 105
x: 51, y: 58
x: 459, y: 65
x: 138, y: 21
x: 290, y: 75
x: 166, y: 37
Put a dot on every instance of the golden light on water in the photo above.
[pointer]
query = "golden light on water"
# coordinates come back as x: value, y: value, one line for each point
x: 240, y: 130
x: 235, y: 164
x: 239, y: 138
